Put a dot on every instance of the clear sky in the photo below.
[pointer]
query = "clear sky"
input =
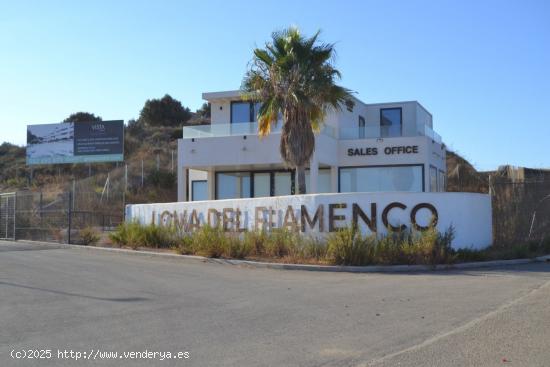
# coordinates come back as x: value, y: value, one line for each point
x: 481, y: 67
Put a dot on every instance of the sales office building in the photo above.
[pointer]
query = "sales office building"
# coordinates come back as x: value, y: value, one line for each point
x: 380, y: 147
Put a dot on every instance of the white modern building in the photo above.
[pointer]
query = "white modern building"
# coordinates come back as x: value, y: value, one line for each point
x: 380, y: 147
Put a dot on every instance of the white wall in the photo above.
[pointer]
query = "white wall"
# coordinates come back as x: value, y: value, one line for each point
x: 220, y: 116
x: 469, y: 214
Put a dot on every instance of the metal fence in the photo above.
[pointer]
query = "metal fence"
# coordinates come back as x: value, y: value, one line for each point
x: 58, y: 217
x: 521, y: 210
x: 7, y: 216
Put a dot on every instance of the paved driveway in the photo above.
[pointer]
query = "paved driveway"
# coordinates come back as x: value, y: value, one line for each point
x: 84, y: 301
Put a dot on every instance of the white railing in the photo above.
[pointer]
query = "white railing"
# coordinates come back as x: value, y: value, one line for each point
x: 237, y: 129
x: 375, y: 132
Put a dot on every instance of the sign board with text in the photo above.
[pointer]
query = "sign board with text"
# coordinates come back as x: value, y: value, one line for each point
x: 75, y: 142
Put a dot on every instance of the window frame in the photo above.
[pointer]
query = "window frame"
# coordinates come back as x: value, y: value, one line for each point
x: 385, y: 166
x: 362, y: 127
x: 251, y: 115
x: 193, y: 189
x: 400, y: 119
x: 251, y: 175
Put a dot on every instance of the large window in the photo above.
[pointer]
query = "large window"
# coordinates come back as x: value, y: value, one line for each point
x: 283, y: 183
x: 233, y: 185
x: 199, y: 190
x: 387, y: 178
x: 262, y: 184
x: 323, y: 181
x: 390, y: 122
x: 244, y: 111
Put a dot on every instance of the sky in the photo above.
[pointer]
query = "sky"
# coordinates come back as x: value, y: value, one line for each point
x: 482, y: 68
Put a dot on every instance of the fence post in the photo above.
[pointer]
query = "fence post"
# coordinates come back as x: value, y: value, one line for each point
x: 14, y: 216
x: 70, y: 217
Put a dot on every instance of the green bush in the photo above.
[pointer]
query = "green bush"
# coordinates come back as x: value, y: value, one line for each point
x: 183, y: 245
x: 88, y: 236
x: 158, y: 237
x: 236, y: 247
x: 279, y: 242
x: 209, y: 241
x: 348, y: 247
x: 344, y: 247
x: 255, y: 240
x: 128, y: 234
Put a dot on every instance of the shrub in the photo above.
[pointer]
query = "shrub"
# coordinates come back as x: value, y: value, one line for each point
x: 279, y: 241
x: 157, y: 236
x: 348, y: 247
x: 128, y: 234
x: 236, y: 247
x: 88, y: 236
x: 255, y: 240
x: 183, y: 245
x: 208, y: 241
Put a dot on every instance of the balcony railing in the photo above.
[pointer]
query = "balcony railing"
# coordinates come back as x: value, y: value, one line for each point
x: 375, y: 132
x: 237, y: 129
x: 345, y: 133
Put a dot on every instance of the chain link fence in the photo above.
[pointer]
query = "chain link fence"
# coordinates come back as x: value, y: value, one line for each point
x: 521, y: 210
x: 521, y: 204
x: 7, y: 216
x: 59, y: 217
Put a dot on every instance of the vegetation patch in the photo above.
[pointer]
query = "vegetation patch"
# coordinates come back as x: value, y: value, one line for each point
x: 344, y: 247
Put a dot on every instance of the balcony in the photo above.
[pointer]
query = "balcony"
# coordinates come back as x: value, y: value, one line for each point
x: 237, y: 129
x: 375, y: 132
x: 345, y: 133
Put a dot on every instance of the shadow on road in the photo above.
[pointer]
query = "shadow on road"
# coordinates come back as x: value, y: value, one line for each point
x: 117, y: 299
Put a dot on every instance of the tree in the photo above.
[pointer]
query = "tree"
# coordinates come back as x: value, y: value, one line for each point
x: 204, y: 111
x: 294, y: 77
x: 82, y: 117
x: 166, y: 111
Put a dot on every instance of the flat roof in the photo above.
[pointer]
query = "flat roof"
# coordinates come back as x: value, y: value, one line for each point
x: 236, y: 94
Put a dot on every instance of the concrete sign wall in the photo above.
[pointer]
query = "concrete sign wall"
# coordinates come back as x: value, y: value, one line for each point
x: 468, y: 213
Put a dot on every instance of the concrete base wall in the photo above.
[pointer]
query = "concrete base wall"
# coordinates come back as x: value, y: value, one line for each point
x: 469, y: 214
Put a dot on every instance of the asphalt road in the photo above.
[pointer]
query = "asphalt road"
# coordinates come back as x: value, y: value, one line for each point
x: 223, y: 315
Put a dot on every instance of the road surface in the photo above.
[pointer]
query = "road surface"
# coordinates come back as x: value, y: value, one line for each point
x: 83, y: 301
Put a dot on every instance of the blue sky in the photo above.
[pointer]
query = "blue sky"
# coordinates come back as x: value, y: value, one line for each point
x: 481, y: 67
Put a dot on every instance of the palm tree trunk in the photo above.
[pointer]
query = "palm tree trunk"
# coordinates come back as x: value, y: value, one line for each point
x: 301, y: 173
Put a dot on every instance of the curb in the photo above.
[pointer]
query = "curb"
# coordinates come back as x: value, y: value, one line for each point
x: 304, y: 267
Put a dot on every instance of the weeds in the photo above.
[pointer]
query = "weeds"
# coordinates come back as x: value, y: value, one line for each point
x: 88, y: 236
x: 344, y: 247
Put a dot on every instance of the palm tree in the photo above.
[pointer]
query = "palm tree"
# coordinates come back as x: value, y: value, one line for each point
x: 294, y: 77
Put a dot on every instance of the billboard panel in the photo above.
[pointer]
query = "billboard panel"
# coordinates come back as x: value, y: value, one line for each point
x: 80, y: 142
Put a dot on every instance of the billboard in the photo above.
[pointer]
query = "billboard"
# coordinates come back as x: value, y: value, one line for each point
x: 75, y: 142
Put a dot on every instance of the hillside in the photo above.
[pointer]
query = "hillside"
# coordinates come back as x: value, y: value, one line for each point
x: 147, y: 149
x: 155, y: 146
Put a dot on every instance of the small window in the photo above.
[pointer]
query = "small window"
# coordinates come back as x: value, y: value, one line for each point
x: 390, y: 122
x: 244, y: 112
x: 199, y: 190
x: 442, y: 180
x: 361, y: 127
